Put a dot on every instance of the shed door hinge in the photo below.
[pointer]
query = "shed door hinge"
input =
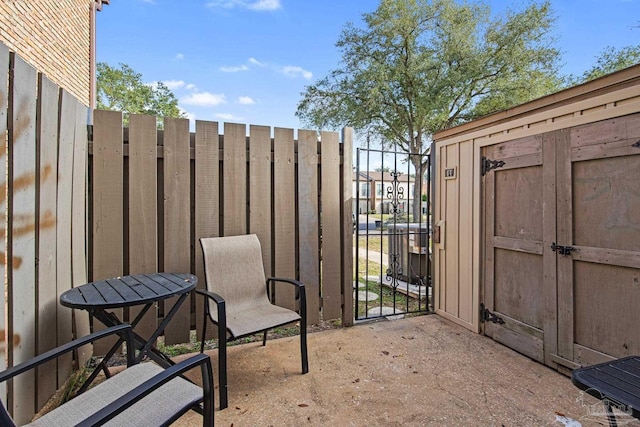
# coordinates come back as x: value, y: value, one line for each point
x: 487, y: 316
x: 487, y: 165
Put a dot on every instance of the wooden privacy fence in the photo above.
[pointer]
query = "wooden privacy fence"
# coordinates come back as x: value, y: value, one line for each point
x: 156, y: 193
x: 85, y: 203
x: 43, y: 207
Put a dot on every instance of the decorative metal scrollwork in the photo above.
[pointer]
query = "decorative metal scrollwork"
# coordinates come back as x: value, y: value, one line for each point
x: 395, y: 193
x: 394, y: 270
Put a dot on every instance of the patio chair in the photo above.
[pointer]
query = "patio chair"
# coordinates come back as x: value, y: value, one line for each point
x: 141, y: 395
x: 239, y: 298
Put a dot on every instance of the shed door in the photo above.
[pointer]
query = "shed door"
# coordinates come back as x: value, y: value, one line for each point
x: 599, y: 216
x: 516, y: 222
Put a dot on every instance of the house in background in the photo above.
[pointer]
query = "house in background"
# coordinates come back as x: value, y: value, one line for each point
x: 57, y: 39
x: 374, y: 191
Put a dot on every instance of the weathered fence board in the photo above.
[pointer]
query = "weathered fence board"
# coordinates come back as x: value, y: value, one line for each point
x: 22, y: 208
x: 4, y: 97
x: 108, y: 203
x: 47, y: 137
x: 142, y: 208
x: 177, y: 214
x: 207, y: 199
x: 234, y: 171
x: 308, y: 212
x: 284, y: 213
x: 260, y: 190
x: 347, y: 228
x: 331, y: 242
x: 63, y: 225
x: 79, y: 223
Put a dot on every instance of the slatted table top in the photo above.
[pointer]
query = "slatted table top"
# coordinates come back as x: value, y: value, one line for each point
x: 128, y: 291
x: 618, y: 381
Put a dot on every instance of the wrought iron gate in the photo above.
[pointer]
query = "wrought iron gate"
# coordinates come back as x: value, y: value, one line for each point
x: 392, y: 235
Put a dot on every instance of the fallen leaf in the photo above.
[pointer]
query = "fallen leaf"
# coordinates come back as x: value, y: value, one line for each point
x: 357, y: 380
x: 302, y: 405
x: 386, y: 353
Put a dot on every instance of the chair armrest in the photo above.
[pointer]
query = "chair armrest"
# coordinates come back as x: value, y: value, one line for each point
x: 144, y: 389
x: 294, y: 282
x: 299, y: 286
x: 220, y: 307
x: 124, y: 329
x: 212, y: 295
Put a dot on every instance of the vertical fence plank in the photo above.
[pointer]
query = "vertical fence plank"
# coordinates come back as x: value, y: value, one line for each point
x: 4, y: 96
x: 177, y: 222
x: 47, y: 260
x: 330, y: 217
x: 347, y: 227
x: 234, y: 172
x: 284, y: 193
x: 108, y: 203
x: 207, y: 194
x: 22, y: 210
x: 308, y: 213
x: 79, y: 223
x: 63, y: 225
x: 260, y: 190
x: 142, y: 211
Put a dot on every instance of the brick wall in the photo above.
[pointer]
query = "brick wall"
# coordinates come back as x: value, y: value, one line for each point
x: 53, y: 37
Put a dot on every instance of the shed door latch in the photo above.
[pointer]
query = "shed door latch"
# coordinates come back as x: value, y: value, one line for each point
x: 487, y: 165
x: 562, y: 250
x: 487, y: 316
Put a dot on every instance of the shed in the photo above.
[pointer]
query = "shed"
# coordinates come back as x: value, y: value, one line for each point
x: 538, y: 214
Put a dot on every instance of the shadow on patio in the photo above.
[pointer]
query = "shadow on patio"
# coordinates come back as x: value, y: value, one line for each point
x: 416, y: 371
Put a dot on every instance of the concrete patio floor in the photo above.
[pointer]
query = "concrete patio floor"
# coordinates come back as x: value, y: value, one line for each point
x: 417, y: 371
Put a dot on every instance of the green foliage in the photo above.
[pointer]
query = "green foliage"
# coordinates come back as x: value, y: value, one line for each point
x: 420, y: 66
x: 608, y: 61
x: 122, y: 89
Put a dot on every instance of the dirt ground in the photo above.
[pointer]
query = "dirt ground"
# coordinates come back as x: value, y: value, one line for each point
x: 417, y: 371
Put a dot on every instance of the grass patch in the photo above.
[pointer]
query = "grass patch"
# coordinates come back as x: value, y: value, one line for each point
x: 374, y: 243
x: 387, y: 296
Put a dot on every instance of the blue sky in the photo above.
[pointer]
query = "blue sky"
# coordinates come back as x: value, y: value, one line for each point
x: 248, y: 61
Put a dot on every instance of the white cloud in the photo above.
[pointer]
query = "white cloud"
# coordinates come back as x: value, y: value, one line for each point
x: 265, y: 5
x: 233, y: 69
x: 254, y: 61
x: 258, y: 5
x: 179, y: 57
x: 228, y: 117
x: 174, y: 84
x: 190, y: 86
x: 294, y: 71
x: 246, y: 100
x: 204, y: 99
x: 188, y: 114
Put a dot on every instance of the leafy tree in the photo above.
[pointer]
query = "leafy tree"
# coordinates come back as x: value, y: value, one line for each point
x: 122, y: 89
x: 420, y: 66
x: 609, y: 61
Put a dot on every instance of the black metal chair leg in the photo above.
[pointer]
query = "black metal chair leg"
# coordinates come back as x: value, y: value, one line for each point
x: 222, y: 365
x: 204, y: 332
x: 264, y: 339
x: 303, y: 346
